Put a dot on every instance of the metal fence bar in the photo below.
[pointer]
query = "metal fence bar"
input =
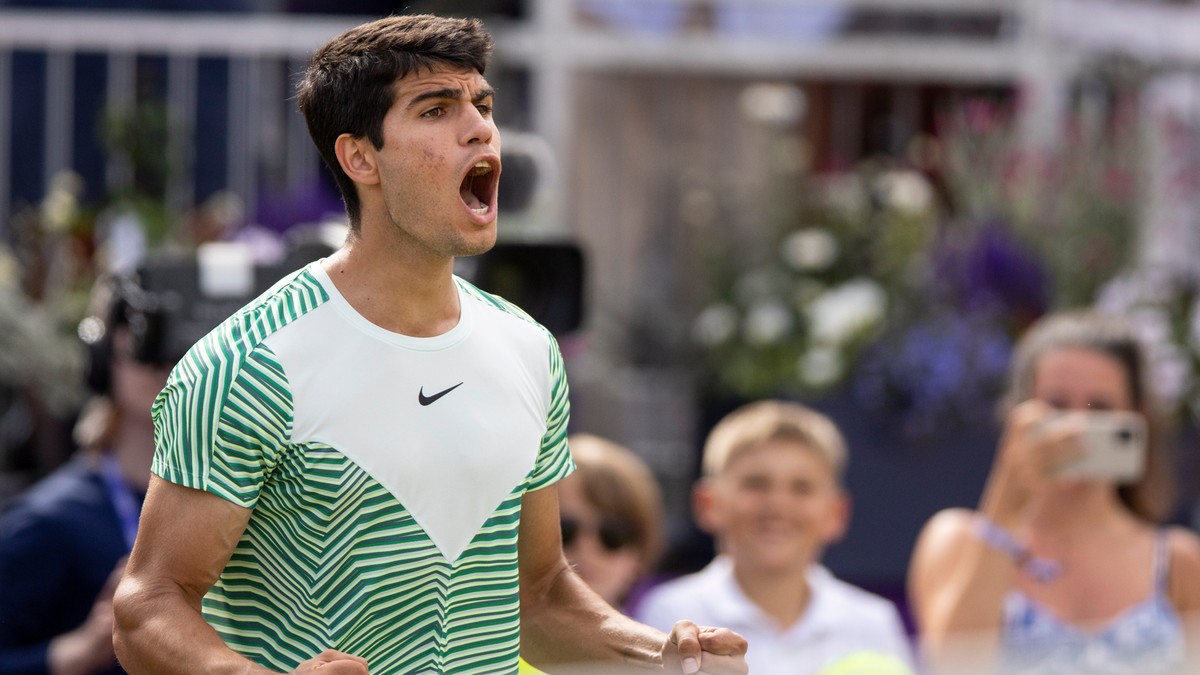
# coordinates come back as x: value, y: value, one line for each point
x: 120, y: 97
x: 182, y: 75
x: 60, y: 114
x: 303, y: 164
x: 5, y: 144
x: 167, y: 33
x: 238, y: 158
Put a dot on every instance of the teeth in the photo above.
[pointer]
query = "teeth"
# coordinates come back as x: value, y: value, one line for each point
x: 480, y: 169
x: 482, y: 211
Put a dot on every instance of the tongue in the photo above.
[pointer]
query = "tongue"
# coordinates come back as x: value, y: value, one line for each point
x: 469, y: 197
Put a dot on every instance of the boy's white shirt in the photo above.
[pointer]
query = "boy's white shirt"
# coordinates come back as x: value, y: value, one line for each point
x: 841, y: 620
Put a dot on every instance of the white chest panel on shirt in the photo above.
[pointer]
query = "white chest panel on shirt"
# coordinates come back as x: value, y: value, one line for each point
x: 450, y: 425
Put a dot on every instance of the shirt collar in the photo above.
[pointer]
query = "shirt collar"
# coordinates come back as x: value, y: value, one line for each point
x: 731, y: 603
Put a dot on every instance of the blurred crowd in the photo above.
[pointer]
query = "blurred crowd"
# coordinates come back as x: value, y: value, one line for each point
x: 1064, y: 565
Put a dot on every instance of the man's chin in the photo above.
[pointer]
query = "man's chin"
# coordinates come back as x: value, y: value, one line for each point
x: 471, y: 251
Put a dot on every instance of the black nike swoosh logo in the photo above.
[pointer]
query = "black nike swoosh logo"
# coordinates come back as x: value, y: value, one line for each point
x: 426, y: 400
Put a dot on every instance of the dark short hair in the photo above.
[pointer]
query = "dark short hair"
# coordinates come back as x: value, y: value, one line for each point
x: 350, y: 82
x: 1151, y: 496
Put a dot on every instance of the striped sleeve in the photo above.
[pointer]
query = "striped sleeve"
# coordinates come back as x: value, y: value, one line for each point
x: 554, y: 458
x: 222, y: 421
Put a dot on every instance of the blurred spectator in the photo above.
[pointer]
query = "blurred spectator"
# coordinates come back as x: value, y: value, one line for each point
x: 1062, y: 570
x: 772, y: 496
x: 63, y: 542
x: 611, y: 511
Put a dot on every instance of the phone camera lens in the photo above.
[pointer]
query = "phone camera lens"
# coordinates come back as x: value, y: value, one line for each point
x: 1125, y: 435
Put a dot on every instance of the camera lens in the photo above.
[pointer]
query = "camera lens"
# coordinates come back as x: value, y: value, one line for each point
x: 1125, y: 435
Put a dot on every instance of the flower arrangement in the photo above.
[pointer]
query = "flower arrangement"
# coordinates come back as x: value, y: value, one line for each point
x: 798, y: 314
x: 44, y: 278
x: 906, y: 280
x: 1165, y: 308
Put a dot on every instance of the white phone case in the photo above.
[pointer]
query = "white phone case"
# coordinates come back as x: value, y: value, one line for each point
x: 1113, y: 447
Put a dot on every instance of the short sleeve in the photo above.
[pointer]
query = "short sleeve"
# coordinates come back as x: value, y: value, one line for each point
x: 554, y: 458
x: 221, y: 422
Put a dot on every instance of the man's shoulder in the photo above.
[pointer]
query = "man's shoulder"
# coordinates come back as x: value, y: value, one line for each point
x: 502, y: 310
x: 244, y: 331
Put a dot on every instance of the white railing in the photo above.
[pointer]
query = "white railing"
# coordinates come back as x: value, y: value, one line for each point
x: 1042, y: 50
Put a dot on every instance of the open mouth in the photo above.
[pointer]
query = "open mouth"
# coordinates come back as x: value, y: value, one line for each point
x: 478, y: 189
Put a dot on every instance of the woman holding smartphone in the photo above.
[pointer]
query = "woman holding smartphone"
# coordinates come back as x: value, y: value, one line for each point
x: 1058, y: 570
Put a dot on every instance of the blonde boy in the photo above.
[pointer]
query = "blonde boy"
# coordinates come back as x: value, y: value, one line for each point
x: 772, y: 497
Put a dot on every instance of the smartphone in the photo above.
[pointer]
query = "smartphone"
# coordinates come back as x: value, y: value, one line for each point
x: 1113, y: 446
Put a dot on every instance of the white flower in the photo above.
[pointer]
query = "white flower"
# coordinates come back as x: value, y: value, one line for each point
x: 845, y: 310
x: 715, y: 325
x: 820, y: 366
x: 1127, y: 292
x: 1152, y: 324
x: 810, y: 249
x: 10, y: 269
x: 1171, y: 373
x: 61, y: 206
x: 767, y: 322
x: 59, y: 210
x: 905, y: 191
x: 774, y: 104
x: 67, y: 181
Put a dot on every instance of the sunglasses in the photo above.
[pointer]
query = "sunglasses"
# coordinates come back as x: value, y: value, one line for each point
x: 614, y: 534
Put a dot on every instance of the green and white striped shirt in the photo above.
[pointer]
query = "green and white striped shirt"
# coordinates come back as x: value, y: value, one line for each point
x: 385, y: 474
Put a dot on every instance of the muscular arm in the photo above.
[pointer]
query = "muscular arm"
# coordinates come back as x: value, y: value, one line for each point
x: 185, y: 538
x: 564, y: 623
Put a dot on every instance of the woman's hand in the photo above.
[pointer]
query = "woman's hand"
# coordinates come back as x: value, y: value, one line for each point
x: 1037, y: 442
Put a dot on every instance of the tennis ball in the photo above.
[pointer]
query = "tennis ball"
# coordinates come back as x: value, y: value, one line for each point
x: 867, y: 663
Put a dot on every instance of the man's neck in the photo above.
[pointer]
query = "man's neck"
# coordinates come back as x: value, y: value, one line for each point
x: 405, y: 294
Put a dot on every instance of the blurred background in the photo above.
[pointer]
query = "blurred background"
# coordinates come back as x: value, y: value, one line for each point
x: 853, y: 203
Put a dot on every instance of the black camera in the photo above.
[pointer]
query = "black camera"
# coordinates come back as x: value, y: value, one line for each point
x: 168, y: 304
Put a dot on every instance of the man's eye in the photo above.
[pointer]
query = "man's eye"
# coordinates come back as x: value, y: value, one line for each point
x: 484, y: 109
x: 434, y: 112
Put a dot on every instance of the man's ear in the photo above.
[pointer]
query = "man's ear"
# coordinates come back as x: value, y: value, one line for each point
x: 703, y: 506
x: 357, y: 157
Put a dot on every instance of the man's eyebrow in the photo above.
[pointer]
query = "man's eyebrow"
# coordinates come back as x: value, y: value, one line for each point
x: 449, y: 93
